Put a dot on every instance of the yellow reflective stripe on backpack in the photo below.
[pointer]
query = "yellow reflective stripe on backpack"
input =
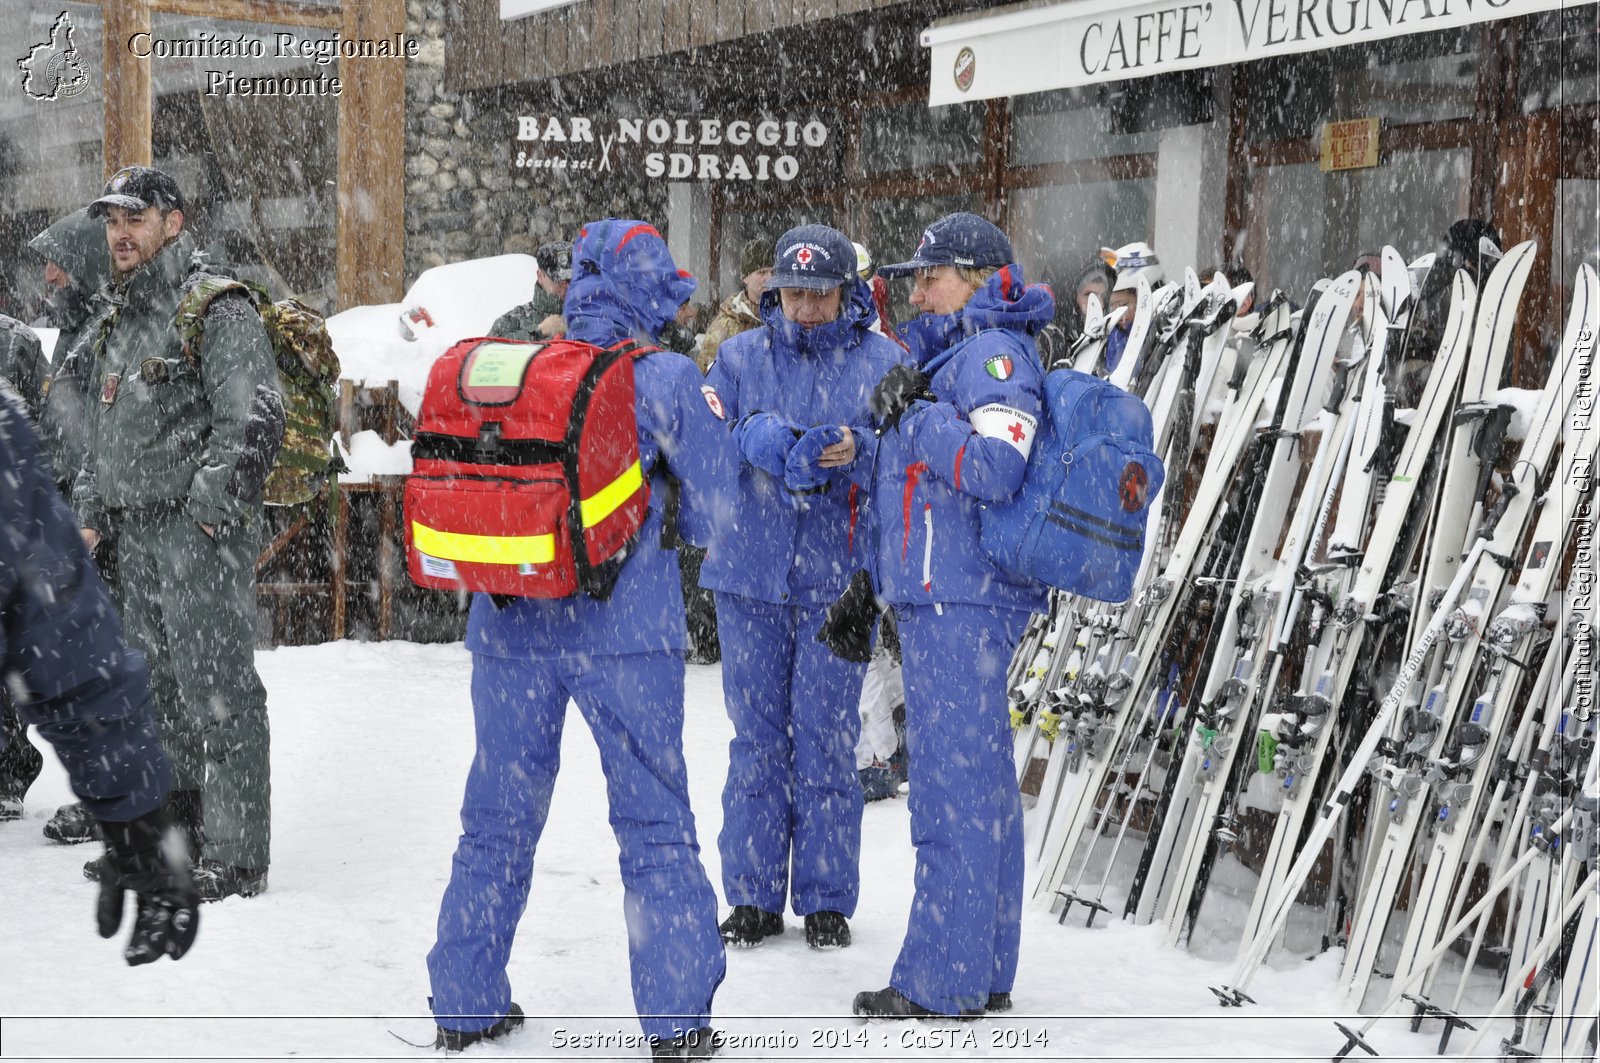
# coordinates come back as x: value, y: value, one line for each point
x: 604, y: 502
x: 484, y: 549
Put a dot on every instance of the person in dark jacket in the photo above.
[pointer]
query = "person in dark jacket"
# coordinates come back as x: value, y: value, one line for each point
x: 63, y: 657
x: 76, y: 263
x: 794, y: 393
x: 621, y: 660
x: 959, y: 432
x: 540, y: 317
x: 24, y: 369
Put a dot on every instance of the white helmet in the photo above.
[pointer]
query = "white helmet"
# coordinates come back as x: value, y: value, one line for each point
x: 1134, y: 261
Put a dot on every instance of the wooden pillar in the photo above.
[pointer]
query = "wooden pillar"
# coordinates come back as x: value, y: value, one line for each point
x: 128, y: 104
x: 372, y: 141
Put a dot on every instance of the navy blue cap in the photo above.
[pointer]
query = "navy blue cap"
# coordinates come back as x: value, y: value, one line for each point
x: 137, y: 187
x: 813, y: 256
x: 960, y: 239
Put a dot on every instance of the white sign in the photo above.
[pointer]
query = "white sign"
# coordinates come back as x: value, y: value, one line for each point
x: 1034, y: 49
x: 510, y: 9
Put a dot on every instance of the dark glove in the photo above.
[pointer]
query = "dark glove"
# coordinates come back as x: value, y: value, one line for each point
x: 146, y: 857
x: 899, y: 388
x: 801, y: 471
x: 764, y: 440
x: 847, y: 631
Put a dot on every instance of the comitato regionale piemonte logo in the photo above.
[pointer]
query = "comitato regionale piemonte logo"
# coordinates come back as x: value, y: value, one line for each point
x: 53, y: 69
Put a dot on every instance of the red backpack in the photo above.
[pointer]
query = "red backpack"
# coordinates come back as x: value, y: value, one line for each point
x: 526, y: 474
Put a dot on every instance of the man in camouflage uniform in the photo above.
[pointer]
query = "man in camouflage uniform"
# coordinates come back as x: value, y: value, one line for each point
x: 540, y: 318
x: 741, y: 310
x: 179, y: 448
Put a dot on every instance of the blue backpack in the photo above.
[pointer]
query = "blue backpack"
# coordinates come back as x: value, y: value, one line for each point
x: 1078, y: 521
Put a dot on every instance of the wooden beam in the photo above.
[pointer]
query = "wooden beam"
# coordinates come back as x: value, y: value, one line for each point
x: 128, y: 103
x: 281, y: 12
x: 370, y: 265
x: 1236, y: 185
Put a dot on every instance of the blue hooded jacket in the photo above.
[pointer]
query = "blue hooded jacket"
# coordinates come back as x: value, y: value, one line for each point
x: 625, y: 285
x: 946, y: 458
x: 800, y: 548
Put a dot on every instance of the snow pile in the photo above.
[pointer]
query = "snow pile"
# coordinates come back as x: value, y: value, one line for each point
x: 370, y: 456
x: 446, y: 304
x: 1524, y: 403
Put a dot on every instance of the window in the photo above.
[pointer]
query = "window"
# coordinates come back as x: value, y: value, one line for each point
x: 1069, y: 125
x: 50, y: 148
x: 923, y: 139
x: 259, y: 171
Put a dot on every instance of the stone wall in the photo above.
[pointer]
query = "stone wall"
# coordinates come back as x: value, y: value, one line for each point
x: 462, y: 200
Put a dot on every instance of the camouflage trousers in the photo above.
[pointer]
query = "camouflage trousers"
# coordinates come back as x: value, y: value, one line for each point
x: 189, y: 603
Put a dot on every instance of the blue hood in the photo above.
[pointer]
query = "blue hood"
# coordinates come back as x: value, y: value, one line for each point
x: 624, y: 283
x: 1004, y: 301
x: 858, y: 312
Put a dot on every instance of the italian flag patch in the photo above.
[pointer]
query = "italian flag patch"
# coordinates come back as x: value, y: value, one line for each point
x: 999, y: 367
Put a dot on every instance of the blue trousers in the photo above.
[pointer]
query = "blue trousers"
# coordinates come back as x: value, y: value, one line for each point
x: 792, y: 796
x: 633, y: 704
x: 966, y: 813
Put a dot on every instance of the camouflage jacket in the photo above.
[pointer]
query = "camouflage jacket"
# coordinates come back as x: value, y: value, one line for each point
x: 522, y: 322
x: 734, y: 316
x: 165, y: 427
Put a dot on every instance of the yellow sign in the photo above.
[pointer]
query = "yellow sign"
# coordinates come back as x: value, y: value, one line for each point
x: 1349, y: 145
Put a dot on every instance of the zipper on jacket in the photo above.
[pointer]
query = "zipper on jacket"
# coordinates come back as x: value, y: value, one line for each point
x: 927, y: 547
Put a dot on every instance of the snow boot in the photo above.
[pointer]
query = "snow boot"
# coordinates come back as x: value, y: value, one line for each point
x: 20, y: 764
x: 691, y: 1044
x: 878, y: 782
x: 216, y: 880
x: 99, y: 869
x: 998, y: 1002
x: 748, y: 925
x: 456, y: 1040
x: 71, y: 825
x: 890, y: 1003
x: 827, y: 930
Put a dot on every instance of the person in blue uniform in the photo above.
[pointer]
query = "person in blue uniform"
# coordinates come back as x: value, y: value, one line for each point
x: 958, y: 432
x: 74, y: 678
x: 795, y: 393
x: 622, y: 661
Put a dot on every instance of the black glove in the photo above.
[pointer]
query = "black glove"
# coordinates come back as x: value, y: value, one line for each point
x: 847, y: 631
x: 146, y: 857
x: 899, y: 388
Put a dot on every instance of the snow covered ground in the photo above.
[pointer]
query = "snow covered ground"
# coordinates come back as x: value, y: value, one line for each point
x: 371, y: 743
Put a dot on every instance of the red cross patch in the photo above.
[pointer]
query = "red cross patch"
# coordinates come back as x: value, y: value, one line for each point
x: 803, y: 256
x: 1134, y: 487
x: 1018, y: 433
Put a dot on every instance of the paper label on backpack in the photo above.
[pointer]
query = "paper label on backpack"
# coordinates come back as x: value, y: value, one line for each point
x: 1007, y: 423
x: 437, y: 567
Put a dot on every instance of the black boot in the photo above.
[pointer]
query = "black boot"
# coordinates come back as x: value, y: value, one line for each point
x: 216, y: 880
x: 72, y: 824
x: 20, y: 764
x: 748, y: 925
x: 456, y: 1040
x: 998, y: 1002
x: 691, y: 1044
x: 827, y: 930
x: 890, y: 1003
